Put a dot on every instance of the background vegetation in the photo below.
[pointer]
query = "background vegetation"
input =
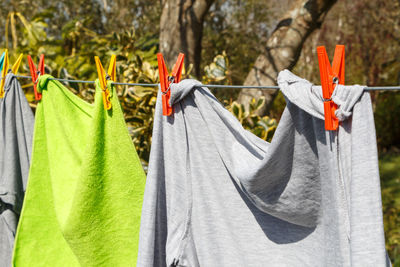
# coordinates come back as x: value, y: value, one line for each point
x: 71, y: 32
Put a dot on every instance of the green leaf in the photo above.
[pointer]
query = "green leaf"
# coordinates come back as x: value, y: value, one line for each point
x: 141, y: 91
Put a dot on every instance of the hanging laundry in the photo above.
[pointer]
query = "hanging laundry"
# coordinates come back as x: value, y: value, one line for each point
x: 217, y: 195
x: 16, y: 131
x: 84, y: 197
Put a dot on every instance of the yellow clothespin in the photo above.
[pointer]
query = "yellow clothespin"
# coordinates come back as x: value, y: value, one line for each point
x: 5, y: 70
x: 103, y: 77
x: 16, y: 65
x: 4, y: 73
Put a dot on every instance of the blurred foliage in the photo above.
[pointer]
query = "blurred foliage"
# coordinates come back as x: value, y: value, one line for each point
x: 263, y: 127
x: 217, y: 71
x: 141, y: 104
x: 387, y: 122
x: 71, y: 57
x: 100, y: 16
x: 240, y: 28
x: 390, y: 178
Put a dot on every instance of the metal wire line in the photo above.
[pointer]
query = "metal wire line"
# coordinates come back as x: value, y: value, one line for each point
x: 373, y: 88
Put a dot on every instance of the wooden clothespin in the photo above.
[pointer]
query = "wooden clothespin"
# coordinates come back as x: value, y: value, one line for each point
x: 6, y: 69
x: 330, y: 77
x: 36, y: 73
x: 103, y: 77
x: 165, y: 80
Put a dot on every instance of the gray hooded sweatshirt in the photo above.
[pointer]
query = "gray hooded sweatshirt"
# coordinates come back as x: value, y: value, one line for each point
x: 217, y: 195
x: 16, y: 131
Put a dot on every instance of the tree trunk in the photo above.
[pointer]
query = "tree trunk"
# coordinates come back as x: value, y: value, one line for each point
x: 181, y: 30
x: 284, y: 48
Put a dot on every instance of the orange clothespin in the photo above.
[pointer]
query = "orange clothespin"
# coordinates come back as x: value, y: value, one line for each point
x: 35, y: 73
x: 330, y: 77
x: 5, y: 70
x: 165, y: 80
x: 103, y: 77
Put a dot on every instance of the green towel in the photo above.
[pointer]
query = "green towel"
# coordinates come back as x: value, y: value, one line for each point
x: 84, y: 196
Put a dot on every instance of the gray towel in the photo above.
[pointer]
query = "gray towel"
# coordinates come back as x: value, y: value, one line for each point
x: 16, y: 131
x: 217, y: 195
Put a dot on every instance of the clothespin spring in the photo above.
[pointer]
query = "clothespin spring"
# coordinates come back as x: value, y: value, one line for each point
x: 38, y: 76
x: 108, y: 78
x: 171, y: 79
x: 335, y: 80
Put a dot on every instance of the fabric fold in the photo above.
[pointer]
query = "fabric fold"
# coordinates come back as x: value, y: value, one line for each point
x: 217, y: 195
x: 309, y: 97
x: 291, y: 192
x: 84, y: 196
x: 16, y: 132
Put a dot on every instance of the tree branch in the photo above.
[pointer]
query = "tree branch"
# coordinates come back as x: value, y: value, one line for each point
x: 181, y: 30
x: 284, y: 48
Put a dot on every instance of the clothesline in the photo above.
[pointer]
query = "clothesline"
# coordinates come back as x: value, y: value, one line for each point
x: 368, y: 88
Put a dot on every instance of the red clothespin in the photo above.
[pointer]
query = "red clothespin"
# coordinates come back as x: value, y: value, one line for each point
x: 166, y: 80
x: 330, y: 77
x: 35, y: 73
